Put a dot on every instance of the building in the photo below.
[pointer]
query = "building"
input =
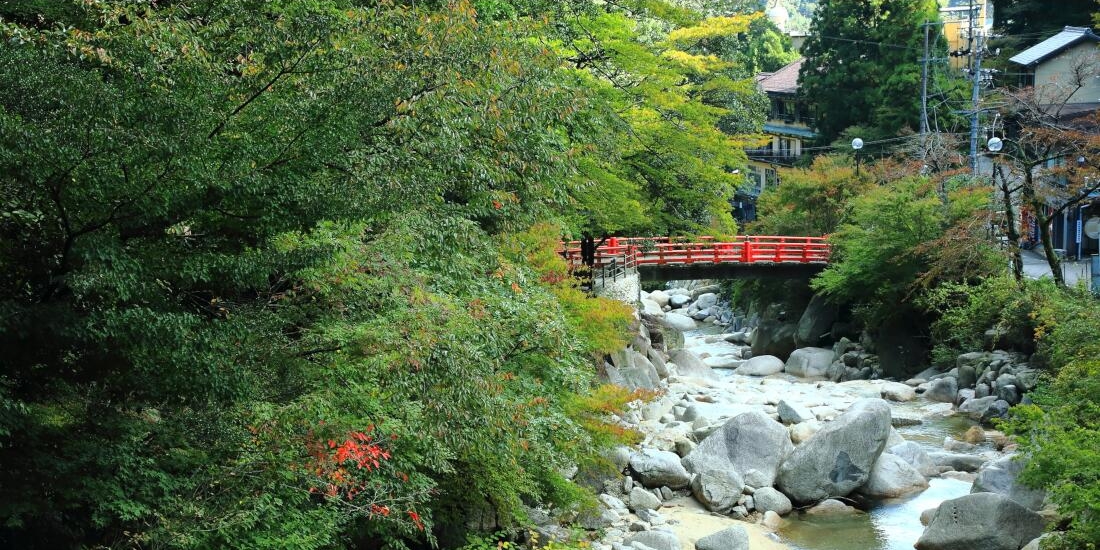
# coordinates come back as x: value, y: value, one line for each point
x: 963, y: 20
x: 1057, y: 65
x: 1065, y: 72
x: 789, y: 126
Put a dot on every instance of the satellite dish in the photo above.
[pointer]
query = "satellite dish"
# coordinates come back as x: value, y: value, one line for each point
x: 1092, y: 227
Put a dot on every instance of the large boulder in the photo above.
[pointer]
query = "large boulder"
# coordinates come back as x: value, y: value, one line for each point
x: 657, y: 540
x: 671, y: 338
x: 832, y: 507
x: 769, y: 499
x: 1000, y: 476
x: 762, y: 365
x: 999, y: 409
x: 649, y: 307
x: 943, y: 390
x: 751, y: 444
x: 892, y: 477
x: 976, y: 408
x: 642, y: 363
x: 659, y: 468
x: 957, y: 461
x: 968, y: 376
x: 837, y: 459
x: 773, y: 337
x: 896, y: 391
x: 689, y: 364
x: 658, y: 362
x: 980, y: 521
x: 706, y: 300
x: 641, y: 499
x: 660, y: 297
x: 914, y: 455
x: 793, y: 413
x: 679, y: 321
x: 625, y: 371
x: 730, y: 538
x: 816, y: 322
x: 718, y: 490
x: 809, y: 362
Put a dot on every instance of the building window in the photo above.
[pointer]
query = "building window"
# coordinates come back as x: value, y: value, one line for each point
x: 771, y: 178
x: 786, y: 147
x: 805, y: 114
x: 789, y: 111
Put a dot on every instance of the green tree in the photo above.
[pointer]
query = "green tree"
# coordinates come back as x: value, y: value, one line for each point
x: 862, y: 64
x: 271, y: 273
x: 811, y: 201
x: 666, y: 105
x: 250, y: 295
x: 878, y: 253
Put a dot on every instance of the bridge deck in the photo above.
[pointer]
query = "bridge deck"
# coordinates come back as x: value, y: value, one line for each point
x: 662, y: 258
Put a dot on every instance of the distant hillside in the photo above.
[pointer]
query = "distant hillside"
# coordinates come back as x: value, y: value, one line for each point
x: 801, y: 12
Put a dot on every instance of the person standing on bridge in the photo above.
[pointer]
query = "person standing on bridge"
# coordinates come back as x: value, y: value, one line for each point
x: 588, y: 249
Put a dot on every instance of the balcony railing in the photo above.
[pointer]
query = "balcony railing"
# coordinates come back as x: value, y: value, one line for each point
x: 791, y: 119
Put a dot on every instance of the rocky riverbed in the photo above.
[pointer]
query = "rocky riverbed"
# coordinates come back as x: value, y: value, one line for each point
x: 758, y: 451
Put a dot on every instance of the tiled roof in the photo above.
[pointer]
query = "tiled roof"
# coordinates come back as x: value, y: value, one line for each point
x: 783, y: 81
x: 1051, y: 46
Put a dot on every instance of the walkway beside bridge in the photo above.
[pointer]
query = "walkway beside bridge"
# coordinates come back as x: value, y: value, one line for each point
x: 665, y: 258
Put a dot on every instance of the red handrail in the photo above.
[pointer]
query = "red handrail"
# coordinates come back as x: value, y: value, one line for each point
x: 743, y: 249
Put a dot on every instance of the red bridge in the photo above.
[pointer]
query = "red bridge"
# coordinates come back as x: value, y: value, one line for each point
x: 665, y: 258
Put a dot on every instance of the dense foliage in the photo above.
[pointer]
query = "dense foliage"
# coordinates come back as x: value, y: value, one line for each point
x: 279, y: 274
x: 1058, y: 432
x: 812, y: 201
x: 862, y: 64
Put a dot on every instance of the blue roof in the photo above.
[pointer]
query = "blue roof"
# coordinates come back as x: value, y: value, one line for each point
x: 1051, y: 46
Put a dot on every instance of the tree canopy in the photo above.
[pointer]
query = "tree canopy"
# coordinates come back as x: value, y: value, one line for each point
x: 283, y: 273
x: 863, y: 64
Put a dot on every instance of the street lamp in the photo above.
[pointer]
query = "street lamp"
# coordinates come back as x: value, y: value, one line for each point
x: 994, y: 145
x: 857, y: 144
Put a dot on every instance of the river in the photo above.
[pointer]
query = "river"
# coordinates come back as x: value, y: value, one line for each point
x: 885, y: 525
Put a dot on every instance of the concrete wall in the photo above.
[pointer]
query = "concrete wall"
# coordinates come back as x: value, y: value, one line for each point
x: 1054, y: 78
x: 626, y: 288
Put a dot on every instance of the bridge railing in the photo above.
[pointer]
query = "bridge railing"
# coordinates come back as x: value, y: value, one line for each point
x: 665, y: 251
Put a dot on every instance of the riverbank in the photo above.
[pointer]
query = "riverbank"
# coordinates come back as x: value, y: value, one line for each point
x: 776, y: 460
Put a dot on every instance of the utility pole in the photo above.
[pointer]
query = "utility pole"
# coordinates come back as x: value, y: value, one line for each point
x: 975, y: 97
x: 924, y: 88
x: 970, y: 37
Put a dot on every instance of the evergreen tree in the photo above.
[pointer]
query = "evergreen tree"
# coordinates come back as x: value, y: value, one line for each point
x: 862, y: 64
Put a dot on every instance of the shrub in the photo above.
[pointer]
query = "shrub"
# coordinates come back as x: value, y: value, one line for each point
x: 877, y: 255
x: 966, y: 311
x: 1059, y: 434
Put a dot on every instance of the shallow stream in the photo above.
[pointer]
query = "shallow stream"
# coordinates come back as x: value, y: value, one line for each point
x: 887, y: 525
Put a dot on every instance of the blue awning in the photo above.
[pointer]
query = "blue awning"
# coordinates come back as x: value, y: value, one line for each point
x: 779, y: 129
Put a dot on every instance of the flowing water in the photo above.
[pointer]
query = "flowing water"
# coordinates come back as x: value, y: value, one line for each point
x: 885, y: 525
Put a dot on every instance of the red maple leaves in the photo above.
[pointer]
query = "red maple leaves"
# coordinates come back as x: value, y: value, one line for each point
x: 344, y: 467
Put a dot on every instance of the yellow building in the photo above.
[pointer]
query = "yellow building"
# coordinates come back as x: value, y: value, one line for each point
x: 957, y: 16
